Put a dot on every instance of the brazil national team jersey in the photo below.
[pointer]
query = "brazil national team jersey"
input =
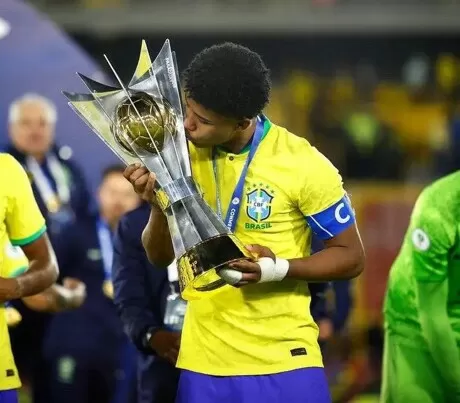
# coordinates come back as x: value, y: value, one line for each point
x: 20, y: 224
x: 266, y: 328
x: 431, y: 254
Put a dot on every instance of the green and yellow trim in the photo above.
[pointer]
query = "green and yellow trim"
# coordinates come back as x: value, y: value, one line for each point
x: 19, y: 271
x: 29, y: 239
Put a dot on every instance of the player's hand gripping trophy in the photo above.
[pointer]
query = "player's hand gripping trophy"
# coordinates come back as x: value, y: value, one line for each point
x: 143, y: 121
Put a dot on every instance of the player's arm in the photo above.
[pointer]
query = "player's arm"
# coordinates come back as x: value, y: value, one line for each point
x: 342, y: 259
x: 58, y: 298
x: 26, y: 228
x: 432, y: 241
x: 156, y: 238
x: 328, y: 211
x: 72, y: 293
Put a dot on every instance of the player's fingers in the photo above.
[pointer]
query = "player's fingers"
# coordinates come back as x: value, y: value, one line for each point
x: 140, y: 183
x: 248, y: 278
x: 138, y: 173
x: 130, y: 169
x: 245, y: 266
x: 149, y: 187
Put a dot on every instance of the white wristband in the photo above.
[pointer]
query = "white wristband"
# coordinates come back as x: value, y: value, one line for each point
x: 272, y: 271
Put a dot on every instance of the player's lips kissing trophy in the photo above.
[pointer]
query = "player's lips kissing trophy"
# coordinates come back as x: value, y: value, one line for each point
x: 143, y: 121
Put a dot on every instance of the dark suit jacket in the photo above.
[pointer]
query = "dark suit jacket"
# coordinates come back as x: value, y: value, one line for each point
x: 140, y: 296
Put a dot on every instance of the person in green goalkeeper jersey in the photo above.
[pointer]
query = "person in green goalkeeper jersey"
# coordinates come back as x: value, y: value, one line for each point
x: 421, y: 361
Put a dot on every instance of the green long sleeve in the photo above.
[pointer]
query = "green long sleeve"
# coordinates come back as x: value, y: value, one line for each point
x: 439, y: 335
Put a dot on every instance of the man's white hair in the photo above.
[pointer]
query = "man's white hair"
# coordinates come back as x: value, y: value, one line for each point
x: 30, y: 98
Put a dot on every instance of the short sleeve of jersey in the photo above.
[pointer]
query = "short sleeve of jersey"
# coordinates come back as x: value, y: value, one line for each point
x: 322, y: 198
x: 24, y: 221
x: 430, y: 239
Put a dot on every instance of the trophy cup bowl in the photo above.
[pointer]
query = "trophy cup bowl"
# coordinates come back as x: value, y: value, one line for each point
x: 143, y: 121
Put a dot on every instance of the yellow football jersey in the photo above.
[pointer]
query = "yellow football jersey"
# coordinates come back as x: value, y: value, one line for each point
x: 290, y: 189
x: 20, y: 224
x: 15, y: 262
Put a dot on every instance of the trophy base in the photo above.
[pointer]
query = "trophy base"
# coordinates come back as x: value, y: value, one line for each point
x: 199, y: 266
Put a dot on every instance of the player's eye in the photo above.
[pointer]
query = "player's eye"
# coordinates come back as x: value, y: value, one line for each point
x: 204, y: 121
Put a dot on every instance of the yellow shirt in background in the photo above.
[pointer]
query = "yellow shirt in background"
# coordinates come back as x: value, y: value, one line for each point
x: 20, y: 224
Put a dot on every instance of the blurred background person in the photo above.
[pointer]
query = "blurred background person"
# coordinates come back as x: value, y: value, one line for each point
x: 62, y: 197
x: 84, y: 349
x: 152, y: 312
x: 422, y: 334
x: 57, y: 181
x: 22, y: 225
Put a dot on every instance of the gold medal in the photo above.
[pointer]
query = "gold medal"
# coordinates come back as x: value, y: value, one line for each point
x: 108, y: 289
x: 54, y: 205
x: 13, y: 317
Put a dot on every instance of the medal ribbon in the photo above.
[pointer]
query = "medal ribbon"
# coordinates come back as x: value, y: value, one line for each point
x: 233, y: 210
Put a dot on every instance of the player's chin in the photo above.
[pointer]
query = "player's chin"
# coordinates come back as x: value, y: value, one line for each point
x: 198, y: 142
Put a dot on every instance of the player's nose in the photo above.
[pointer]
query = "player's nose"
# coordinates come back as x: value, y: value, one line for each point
x: 189, y: 125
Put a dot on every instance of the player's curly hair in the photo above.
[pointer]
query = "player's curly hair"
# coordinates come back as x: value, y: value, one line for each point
x: 228, y: 79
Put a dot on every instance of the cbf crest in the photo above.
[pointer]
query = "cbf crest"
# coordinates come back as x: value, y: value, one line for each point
x: 259, y: 202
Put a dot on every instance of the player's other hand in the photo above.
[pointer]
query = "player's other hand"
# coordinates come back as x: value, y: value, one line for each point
x: 250, y: 269
x: 166, y: 344
x: 142, y: 180
x: 78, y: 290
x: 326, y: 329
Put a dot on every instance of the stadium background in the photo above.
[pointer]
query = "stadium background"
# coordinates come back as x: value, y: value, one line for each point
x: 343, y: 71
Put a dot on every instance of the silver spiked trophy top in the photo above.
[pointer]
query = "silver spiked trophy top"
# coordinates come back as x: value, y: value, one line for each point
x: 143, y: 121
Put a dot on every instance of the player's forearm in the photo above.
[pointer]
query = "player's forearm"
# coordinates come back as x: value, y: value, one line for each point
x: 40, y: 276
x: 438, y: 332
x: 156, y: 239
x: 333, y: 263
x: 54, y: 299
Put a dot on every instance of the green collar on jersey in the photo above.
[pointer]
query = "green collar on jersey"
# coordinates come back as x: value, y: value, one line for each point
x: 247, y: 147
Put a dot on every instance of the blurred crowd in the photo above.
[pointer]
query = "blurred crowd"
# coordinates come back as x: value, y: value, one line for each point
x: 374, y: 129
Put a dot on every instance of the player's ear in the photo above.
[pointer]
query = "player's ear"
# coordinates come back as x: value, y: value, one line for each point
x: 244, y: 124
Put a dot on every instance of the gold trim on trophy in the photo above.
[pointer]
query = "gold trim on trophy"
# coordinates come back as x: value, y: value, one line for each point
x: 199, y: 266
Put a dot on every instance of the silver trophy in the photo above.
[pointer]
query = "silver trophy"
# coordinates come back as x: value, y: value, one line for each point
x: 144, y: 121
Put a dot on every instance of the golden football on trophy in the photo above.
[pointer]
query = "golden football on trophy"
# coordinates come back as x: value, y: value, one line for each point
x: 143, y: 122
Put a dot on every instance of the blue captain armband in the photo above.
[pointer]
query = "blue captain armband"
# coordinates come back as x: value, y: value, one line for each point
x: 332, y: 221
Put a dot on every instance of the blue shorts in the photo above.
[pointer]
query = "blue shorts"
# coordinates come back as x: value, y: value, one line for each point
x: 9, y: 396
x: 306, y: 385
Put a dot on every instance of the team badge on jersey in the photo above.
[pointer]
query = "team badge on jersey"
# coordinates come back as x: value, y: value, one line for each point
x: 420, y: 239
x: 259, y: 204
x: 259, y: 200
